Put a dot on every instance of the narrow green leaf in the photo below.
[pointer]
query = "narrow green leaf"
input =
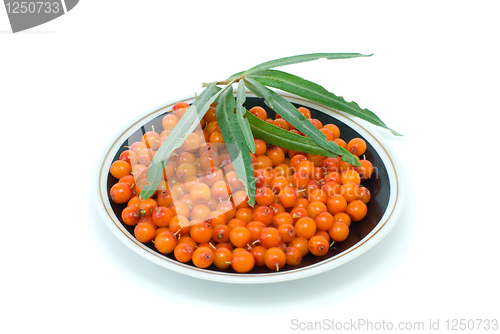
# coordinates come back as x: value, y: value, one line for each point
x: 284, y: 108
x: 186, y: 125
x: 235, y: 143
x: 273, y: 134
x: 242, y: 122
x: 300, y: 59
x: 315, y: 93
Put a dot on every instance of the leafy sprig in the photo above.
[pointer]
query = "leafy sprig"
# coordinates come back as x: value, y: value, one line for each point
x: 238, y: 127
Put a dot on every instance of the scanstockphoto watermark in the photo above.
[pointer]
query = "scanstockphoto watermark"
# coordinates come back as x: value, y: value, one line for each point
x: 363, y: 324
x: 355, y: 325
x: 24, y: 15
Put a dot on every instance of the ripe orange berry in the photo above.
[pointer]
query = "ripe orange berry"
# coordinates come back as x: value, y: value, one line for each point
x: 356, y: 146
x: 275, y: 258
x: 336, y: 203
x: 203, y: 257
x: 242, y: 262
x: 259, y: 112
x: 357, y: 210
x: 318, y: 245
x: 120, y: 168
x: 305, y: 227
x: 339, y: 231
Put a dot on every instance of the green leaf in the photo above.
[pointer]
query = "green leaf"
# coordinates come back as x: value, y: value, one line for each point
x: 300, y: 59
x: 186, y: 125
x: 235, y: 143
x: 315, y: 93
x: 242, y: 122
x: 284, y: 108
x: 273, y: 134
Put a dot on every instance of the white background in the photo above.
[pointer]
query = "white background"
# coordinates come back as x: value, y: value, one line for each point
x: 68, y: 86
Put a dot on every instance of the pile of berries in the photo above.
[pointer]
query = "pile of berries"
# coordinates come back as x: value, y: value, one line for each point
x: 200, y: 213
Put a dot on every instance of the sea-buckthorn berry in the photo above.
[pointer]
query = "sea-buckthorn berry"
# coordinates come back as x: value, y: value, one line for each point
x: 350, y: 175
x: 245, y: 214
x: 185, y: 157
x: 315, y: 208
x: 339, y: 231
x: 365, y: 170
x: 336, y: 203
x: 281, y: 219
x: 187, y: 240
x: 210, y: 159
x: 262, y: 178
x: 350, y: 191
x: 240, y: 236
x: 287, y: 232
x: 165, y: 242
x: 364, y: 195
x: 130, y: 215
x: 258, y: 112
x: 302, y: 244
x: 319, y: 174
x: 340, y: 142
x: 212, y: 127
x: 275, y: 258
x: 278, y: 183
x: 169, y: 121
x: 293, y: 256
x: 240, y: 199
x: 128, y: 156
x: 192, y: 142
x: 179, y: 225
x: 324, y: 221
x: 221, y: 190
x: 255, y: 227
x: 120, y: 168
x: 331, y: 164
x: 324, y: 234
x: 151, y: 139
x: 342, y: 217
x: 128, y: 179
x: 263, y: 214
x: 134, y: 201
x: 318, y: 195
x: 318, y: 245
x: 216, y: 138
x: 333, y: 177
x: 222, y: 258
x: 298, y: 213
x: 328, y: 133
x: 263, y: 162
x: 281, y: 123
x: 356, y: 146
x: 200, y: 193
x: 203, y: 257
x: 269, y: 237
x: 144, y: 232
x: 264, y: 196
x: 260, y: 147
x: 162, y: 216
x: 334, y: 129
x: 199, y: 212
x: 165, y: 198
x: 228, y: 208
x: 120, y: 193
x: 288, y: 196
x: 258, y: 253
x: 148, y: 205
x: 305, y: 227
x: 304, y: 111
x: 295, y: 160
x: 276, y: 154
x: 283, y: 170
x: 316, y: 122
x: 236, y: 222
x: 301, y: 203
x: 212, y: 175
x: 185, y: 171
x: 200, y: 231
x: 300, y: 180
x: 180, y: 209
x: 211, y: 114
x: 357, y: 210
x: 306, y: 167
x: 183, y: 252
x: 220, y: 233
x: 242, y: 262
